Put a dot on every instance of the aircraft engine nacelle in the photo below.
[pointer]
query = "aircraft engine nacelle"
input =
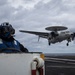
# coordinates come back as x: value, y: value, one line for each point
x: 54, y: 34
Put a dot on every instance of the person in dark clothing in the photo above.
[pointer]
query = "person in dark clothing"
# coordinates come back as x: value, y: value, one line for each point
x: 8, y: 43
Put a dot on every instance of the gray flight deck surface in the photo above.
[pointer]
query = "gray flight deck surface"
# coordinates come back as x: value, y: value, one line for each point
x: 60, y: 64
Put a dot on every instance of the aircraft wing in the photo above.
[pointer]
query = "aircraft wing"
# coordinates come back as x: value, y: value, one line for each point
x: 45, y: 34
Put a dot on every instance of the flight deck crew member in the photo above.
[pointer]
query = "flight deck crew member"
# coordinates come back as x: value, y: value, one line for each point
x: 8, y: 43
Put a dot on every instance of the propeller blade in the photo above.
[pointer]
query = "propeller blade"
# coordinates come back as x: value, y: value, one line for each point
x: 73, y: 36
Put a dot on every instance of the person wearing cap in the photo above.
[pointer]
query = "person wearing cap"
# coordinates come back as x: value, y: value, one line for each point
x: 8, y: 44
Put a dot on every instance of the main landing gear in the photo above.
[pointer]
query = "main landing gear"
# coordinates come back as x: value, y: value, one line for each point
x: 69, y: 40
x: 67, y: 44
x: 49, y: 43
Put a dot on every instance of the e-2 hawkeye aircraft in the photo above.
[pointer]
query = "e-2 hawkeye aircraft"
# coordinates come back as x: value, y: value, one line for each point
x: 54, y: 36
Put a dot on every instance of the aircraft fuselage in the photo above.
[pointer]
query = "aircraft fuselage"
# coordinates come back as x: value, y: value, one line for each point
x: 61, y: 37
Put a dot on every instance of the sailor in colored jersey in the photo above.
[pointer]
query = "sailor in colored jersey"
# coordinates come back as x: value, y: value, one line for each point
x: 7, y: 42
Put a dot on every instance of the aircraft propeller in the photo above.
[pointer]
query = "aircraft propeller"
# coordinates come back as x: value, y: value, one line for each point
x: 72, y: 31
x: 73, y: 36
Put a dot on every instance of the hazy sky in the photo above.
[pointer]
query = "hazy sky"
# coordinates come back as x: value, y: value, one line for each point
x: 36, y: 15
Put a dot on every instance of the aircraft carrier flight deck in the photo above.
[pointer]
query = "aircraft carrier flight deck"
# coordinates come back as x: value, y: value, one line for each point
x: 59, y: 64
